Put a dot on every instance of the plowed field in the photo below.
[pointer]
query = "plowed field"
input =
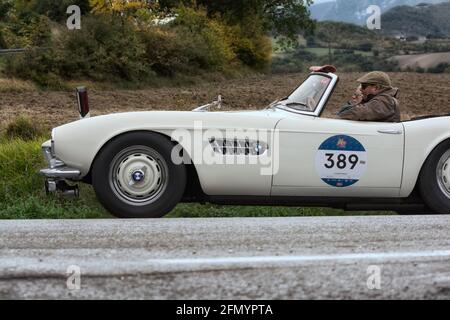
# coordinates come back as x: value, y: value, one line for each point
x: 420, y: 94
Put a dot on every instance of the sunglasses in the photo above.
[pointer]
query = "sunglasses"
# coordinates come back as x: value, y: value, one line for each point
x: 365, y: 85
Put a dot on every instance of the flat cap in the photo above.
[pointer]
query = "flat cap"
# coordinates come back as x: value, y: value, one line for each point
x: 376, y: 77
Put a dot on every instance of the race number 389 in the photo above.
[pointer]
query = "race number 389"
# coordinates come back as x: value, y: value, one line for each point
x: 341, y: 161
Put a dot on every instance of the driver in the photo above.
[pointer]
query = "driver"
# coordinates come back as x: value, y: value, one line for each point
x: 374, y: 100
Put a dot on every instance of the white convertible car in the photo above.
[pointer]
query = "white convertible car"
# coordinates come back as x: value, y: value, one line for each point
x: 141, y: 164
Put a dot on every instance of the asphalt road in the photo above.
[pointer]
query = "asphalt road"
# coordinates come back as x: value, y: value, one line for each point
x: 391, y: 257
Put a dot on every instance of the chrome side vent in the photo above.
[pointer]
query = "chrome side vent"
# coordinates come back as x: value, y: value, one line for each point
x: 238, y: 146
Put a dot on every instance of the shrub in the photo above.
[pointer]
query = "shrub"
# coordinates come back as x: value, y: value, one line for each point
x: 103, y: 50
x: 419, y: 70
x: 165, y: 51
x: 36, y: 65
x: 24, y: 128
x: 365, y: 46
x: 178, y: 49
x: 196, y: 41
x: 256, y: 53
x: 304, y: 55
x: 211, y: 43
x: 440, y: 68
x: 116, y: 50
x: 28, y: 31
x: 56, y: 9
x: 251, y: 45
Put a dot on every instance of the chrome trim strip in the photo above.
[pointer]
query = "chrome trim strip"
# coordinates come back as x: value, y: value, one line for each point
x: 390, y: 131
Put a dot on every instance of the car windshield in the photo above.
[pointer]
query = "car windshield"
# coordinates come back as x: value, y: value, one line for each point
x: 307, y: 96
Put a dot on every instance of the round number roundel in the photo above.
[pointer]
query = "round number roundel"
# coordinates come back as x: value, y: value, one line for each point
x: 341, y: 161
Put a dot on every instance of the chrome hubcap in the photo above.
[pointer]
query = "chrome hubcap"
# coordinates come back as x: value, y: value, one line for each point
x: 138, y: 175
x: 443, y: 173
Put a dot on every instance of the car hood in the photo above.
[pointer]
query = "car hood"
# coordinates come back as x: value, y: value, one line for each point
x: 148, y: 120
x: 77, y: 143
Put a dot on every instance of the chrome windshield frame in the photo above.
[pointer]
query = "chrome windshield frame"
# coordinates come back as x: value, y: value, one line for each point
x: 323, y: 100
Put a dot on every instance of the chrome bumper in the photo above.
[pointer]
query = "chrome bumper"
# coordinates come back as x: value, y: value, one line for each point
x: 57, y: 173
x: 57, y: 169
x: 60, y: 172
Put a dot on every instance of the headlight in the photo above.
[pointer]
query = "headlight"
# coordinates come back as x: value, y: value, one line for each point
x: 47, y: 153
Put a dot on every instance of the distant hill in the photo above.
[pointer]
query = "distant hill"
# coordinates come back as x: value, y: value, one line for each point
x: 354, y: 11
x: 423, y: 20
x: 341, y: 33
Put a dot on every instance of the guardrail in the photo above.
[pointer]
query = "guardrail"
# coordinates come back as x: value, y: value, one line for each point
x: 11, y: 51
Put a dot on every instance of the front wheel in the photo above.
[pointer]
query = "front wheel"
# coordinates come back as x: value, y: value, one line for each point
x: 435, y: 179
x: 134, y: 176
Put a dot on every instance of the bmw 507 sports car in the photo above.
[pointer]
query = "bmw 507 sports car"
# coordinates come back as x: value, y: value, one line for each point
x: 141, y: 164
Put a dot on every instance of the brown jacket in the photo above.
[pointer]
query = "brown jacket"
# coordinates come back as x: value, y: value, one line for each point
x: 382, y: 107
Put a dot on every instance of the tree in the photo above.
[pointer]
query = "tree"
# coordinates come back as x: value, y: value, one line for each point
x: 5, y: 8
x: 124, y: 8
x: 281, y: 17
x: 56, y: 10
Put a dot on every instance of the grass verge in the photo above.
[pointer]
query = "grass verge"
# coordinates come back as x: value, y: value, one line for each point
x: 22, y: 194
x: 15, y: 85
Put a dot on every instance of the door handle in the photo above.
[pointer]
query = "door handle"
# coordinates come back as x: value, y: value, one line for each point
x: 390, y: 131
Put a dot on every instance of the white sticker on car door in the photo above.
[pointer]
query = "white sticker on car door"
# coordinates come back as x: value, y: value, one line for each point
x: 341, y: 161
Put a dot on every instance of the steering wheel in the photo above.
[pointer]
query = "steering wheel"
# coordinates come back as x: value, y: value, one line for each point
x: 311, y: 103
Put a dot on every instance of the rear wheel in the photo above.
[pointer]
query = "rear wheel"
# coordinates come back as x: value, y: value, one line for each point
x: 435, y: 179
x: 134, y: 176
